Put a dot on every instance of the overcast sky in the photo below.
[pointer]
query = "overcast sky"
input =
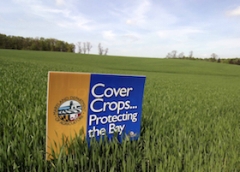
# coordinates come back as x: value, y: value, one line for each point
x: 143, y: 28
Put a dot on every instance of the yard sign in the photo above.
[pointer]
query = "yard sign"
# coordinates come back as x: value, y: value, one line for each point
x: 99, y: 104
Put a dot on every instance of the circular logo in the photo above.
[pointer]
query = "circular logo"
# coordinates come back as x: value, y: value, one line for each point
x: 69, y: 111
x: 132, y: 134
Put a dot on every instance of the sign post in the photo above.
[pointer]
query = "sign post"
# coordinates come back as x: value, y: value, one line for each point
x: 98, y: 104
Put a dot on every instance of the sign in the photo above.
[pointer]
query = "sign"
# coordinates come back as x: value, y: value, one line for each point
x: 98, y: 104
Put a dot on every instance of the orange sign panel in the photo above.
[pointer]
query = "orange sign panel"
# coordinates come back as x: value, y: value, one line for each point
x: 67, y: 92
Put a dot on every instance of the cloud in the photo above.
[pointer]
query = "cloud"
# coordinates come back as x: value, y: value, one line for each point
x: 131, y: 22
x: 26, y: 1
x: 61, y: 17
x: 45, y: 11
x: 60, y: 2
x: 139, y: 13
x: 180, y: 34
x: 130, y: 37
x: 109, y: 35
x: 234, y: 12
x: 222, y: 44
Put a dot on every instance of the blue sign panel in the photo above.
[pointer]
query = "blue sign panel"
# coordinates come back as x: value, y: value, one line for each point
x: 115, y: 106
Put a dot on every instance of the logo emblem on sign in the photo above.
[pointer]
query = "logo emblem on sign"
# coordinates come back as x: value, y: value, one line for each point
x: 69, y: 111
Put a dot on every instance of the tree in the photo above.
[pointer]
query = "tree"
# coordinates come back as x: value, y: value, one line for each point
x: 169, y: 55
x: 42, y: 44
x: 70, y: 47
x: 181, y: 55
x: 79, y: 47
x: 3, y: 41
x: 191, y: 54
x: 100, y: 49
x: 238, y: 61
x: 174, y: 54
x: 213, y: 57
x: 84, y: 47
x: 106, y: 51
x: 89, y: 46
x: 52, y: 44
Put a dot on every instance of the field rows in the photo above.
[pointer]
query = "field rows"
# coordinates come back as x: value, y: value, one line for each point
x: 190, y: 116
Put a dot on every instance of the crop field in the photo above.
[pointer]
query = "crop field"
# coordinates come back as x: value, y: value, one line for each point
x: 190, y: 119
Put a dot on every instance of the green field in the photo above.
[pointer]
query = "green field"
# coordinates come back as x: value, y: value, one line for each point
x: 190, y: 120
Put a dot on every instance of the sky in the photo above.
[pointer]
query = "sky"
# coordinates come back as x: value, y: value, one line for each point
x: 139, y: 28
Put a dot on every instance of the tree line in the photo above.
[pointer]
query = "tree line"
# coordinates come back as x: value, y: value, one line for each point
x: 42, y: 44
x: 212, y: 58
x: 86, y: 47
